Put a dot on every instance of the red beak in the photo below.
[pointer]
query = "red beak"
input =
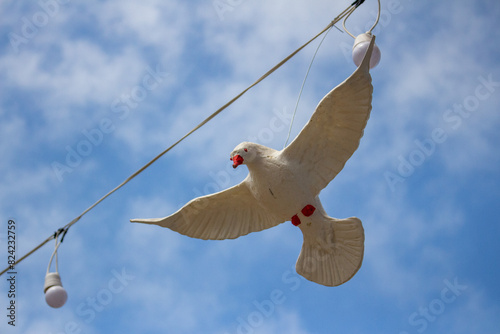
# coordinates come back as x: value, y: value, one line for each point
x: 237, y: 160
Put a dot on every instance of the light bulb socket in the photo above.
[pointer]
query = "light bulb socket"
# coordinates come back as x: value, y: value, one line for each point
x: 366, y: 37
x: 51, y: 279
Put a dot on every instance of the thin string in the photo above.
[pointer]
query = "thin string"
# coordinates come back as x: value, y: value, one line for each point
x: 378, y: 18
x: 347, y: 13
x: 58, y: 243
x: 357, y: 3
x: 343, y: 23
x: 302, y: 87
x: 68, y: 225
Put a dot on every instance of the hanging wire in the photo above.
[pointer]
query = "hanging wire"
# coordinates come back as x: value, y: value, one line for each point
x: 345, y: 19
x: 347, y: 13
x: 303, y: 83
x: 66, y: 227
x: 378, y: 18
x: 353, y: 9
x: 62, y: 233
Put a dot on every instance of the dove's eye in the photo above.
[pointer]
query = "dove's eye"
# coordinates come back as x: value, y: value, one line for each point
x: 245, y: 150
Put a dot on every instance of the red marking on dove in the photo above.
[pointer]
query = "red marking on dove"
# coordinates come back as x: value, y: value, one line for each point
x: 308, y: 210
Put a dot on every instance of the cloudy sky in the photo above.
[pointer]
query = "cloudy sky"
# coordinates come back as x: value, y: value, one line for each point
x: 91, y: 92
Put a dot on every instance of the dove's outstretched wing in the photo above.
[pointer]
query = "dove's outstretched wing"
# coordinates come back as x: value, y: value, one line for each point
x: 333, y: 133
x: 224, y: 215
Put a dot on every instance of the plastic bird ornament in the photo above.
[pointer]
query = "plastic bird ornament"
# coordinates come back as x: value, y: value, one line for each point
x: 285, y: 185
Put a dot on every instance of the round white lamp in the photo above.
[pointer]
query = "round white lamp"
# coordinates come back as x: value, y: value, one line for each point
x: 55, y: 294
x: 361, y: 44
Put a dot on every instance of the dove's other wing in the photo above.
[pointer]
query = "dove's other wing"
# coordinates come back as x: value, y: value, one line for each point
x: 333, y: 133
x: 224, y: 215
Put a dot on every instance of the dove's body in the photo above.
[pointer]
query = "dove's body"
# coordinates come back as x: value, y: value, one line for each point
x: 276, y: 184
x: 285, y: 185
x: 333, y: 248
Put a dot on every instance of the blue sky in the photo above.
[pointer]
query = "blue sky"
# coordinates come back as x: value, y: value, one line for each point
x: 92, y: 91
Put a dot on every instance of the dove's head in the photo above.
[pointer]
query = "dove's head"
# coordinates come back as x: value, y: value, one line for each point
x: 244, y: 153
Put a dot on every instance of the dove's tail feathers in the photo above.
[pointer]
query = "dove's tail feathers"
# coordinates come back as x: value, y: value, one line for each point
x: 335, y: 257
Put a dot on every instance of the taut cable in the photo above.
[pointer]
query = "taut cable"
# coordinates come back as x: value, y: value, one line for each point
x: 65, y: 228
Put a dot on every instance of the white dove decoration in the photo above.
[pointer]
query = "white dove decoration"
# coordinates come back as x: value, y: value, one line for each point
x: 285, y: 185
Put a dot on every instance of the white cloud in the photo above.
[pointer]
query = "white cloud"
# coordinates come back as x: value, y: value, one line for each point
x: 156, y: 23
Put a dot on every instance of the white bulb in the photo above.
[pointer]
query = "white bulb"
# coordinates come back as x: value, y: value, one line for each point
x: 56, y: 296
x: 361, y: 45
